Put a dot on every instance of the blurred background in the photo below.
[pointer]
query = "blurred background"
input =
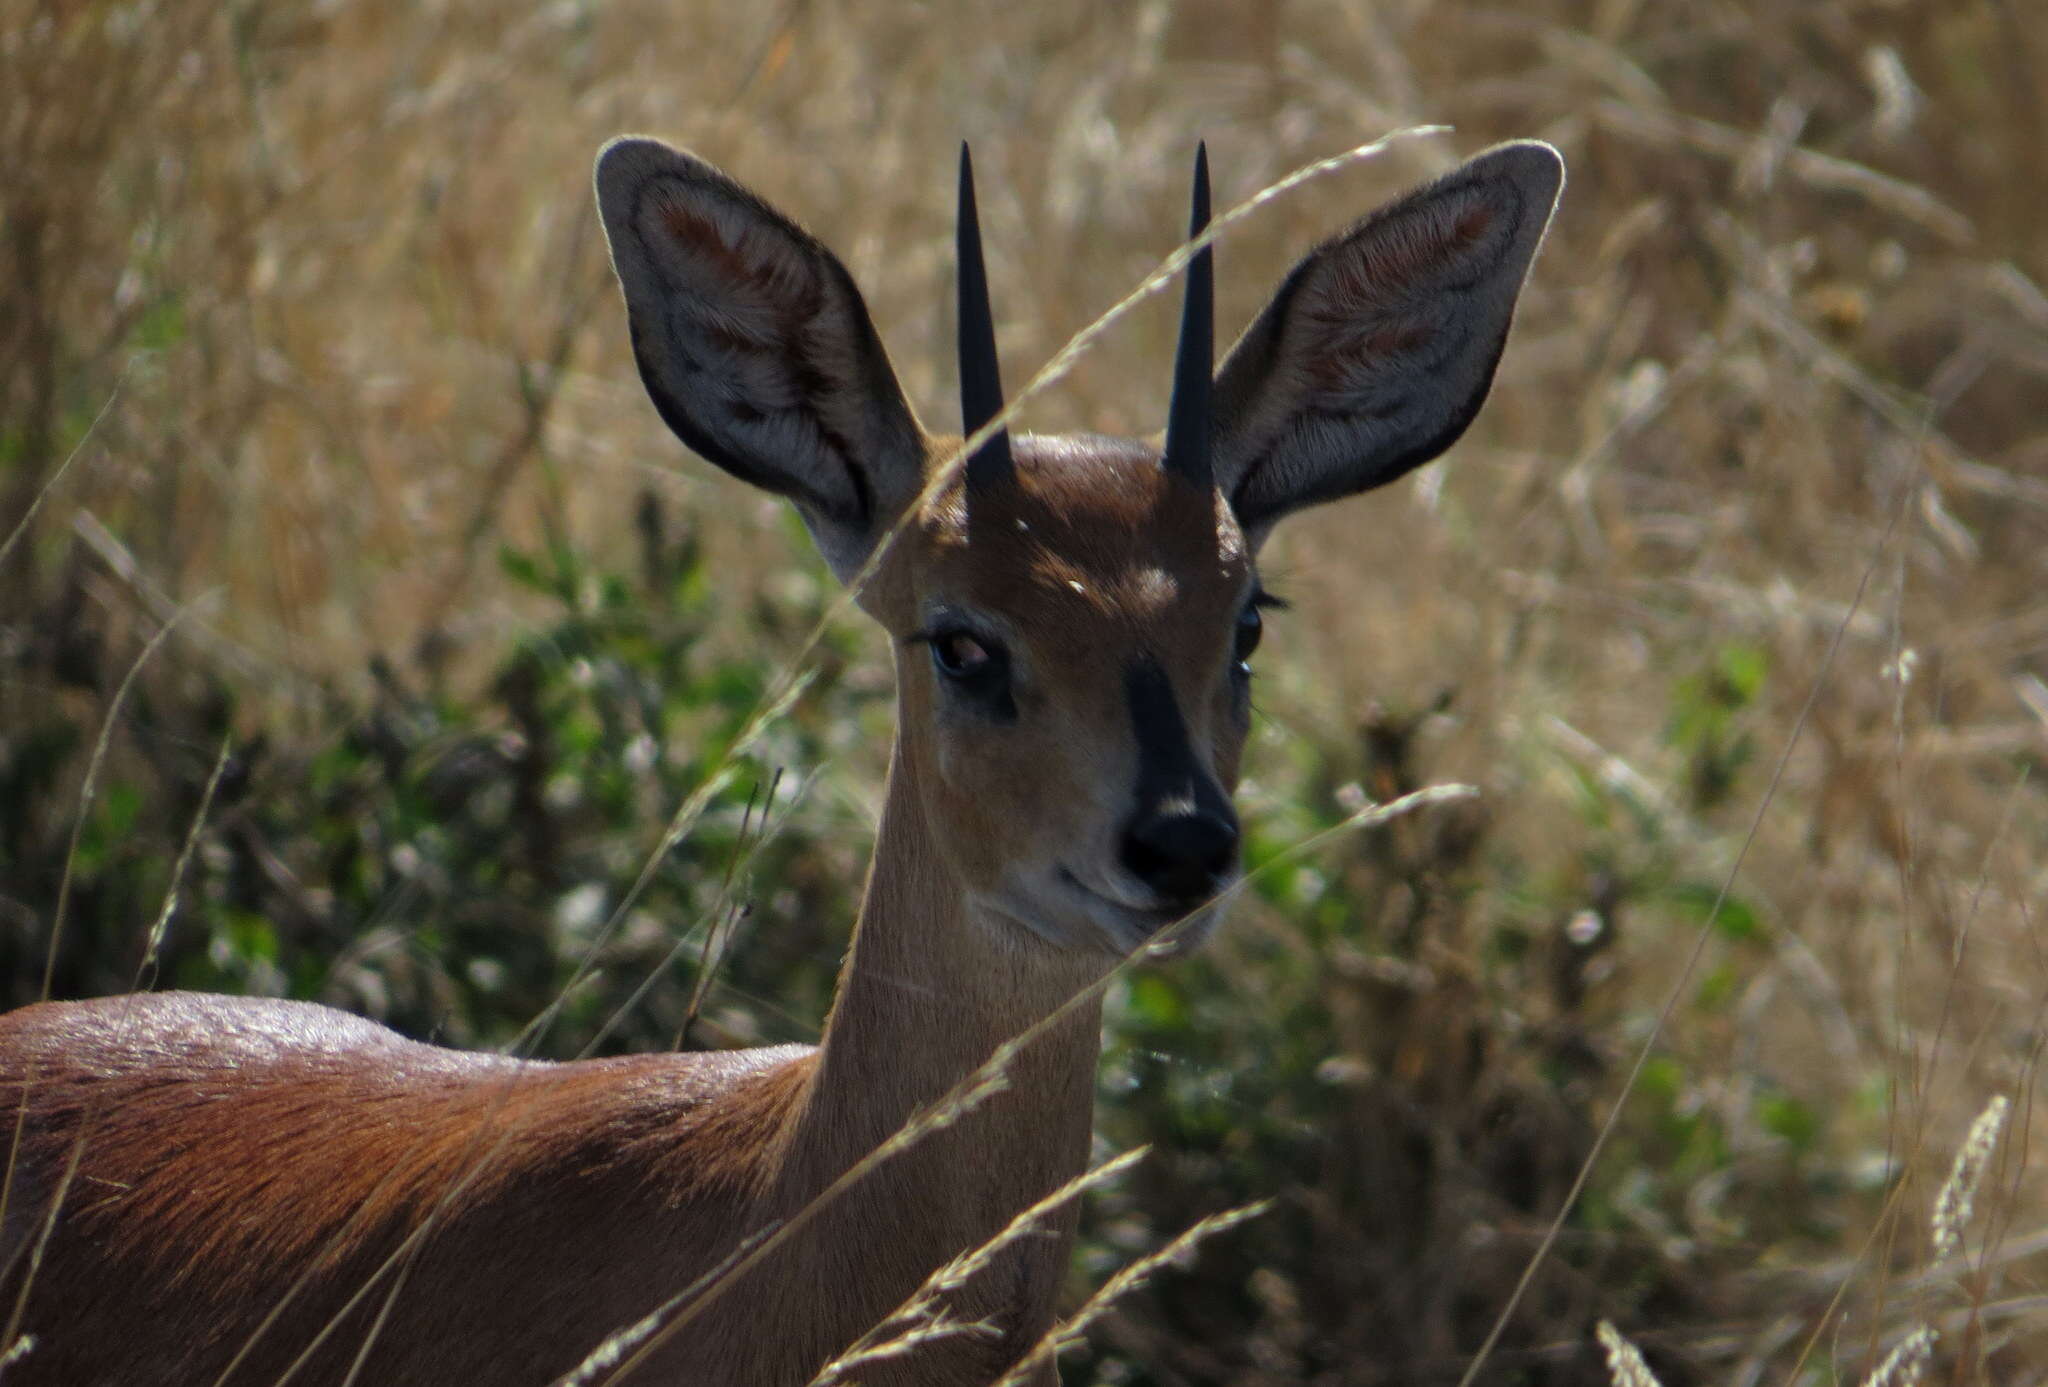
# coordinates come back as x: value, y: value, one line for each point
x: 338, y: 527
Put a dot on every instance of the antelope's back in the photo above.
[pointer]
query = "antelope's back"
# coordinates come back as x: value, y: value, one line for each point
x: 231, y: 1175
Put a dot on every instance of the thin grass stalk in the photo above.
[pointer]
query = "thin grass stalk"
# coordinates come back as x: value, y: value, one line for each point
x: 1129, y: 1279
x: 16, y: 1351
x: 28, y: 516
x: 152, y: 944
x: 988, y: 1080
x: 742, y: 853
x: 920, y: 1313
x: 1889, y: 1219
x: 1701, y: 937
x: 608, y: 1354
x: 85, y: 796
x: 1625, y: 1365
x: 1955, y: 1202
x: 1903, y: 1365
x: 91, y: 783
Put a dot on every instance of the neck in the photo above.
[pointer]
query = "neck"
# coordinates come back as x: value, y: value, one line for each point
x: 929, y: 991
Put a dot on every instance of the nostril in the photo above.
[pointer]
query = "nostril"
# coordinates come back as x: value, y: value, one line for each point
x: 1181, y: 856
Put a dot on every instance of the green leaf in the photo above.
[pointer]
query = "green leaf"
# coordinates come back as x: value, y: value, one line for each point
x: 1716, y: 989
x: 1787, y: 1117
x: 1156, y: 1003
x: 1736, y: 919
x: 119, y: 808
x: 1662, y: 1078
x: 1742, y: 669
x: 161, y: 326
x: 520, y: 567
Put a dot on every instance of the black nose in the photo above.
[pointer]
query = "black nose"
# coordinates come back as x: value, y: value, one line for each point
x: 1183, y: 856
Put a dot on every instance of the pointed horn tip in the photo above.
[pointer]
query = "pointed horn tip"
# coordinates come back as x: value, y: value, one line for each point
x: 1187, y: 442
x: 981, y: 391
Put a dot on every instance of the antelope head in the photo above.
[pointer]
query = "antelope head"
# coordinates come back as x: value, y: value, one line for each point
x: 1074, y: 616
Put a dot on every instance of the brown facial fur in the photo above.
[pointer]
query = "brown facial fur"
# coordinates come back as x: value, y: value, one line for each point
x: 1092, y: 559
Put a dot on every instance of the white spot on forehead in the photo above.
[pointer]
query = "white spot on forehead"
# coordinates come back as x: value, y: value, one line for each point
x: 1155, y: 586
x: 1075, y: 584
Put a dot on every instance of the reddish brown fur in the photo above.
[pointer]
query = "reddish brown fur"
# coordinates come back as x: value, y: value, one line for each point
x: 233, y: 1147
x: 227, y: 1147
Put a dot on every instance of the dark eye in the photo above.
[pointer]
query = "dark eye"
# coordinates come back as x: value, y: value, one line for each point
x: 976, y: 668
x: 959, y: 655
x: 1250, y: 626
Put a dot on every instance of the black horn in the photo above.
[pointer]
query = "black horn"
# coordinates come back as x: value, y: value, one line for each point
x: 981, y: 381
x: 1187, y: 417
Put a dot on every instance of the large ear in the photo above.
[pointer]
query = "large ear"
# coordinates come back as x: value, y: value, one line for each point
x: 756, y: 347
x: 1379, y: 347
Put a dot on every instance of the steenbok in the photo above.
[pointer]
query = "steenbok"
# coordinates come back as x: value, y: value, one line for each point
x: 209, y: 1190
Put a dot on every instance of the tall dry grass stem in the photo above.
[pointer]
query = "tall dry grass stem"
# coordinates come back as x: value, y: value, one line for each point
x: 921, y: 1318
x: 302, y: 282
x: 1702, y: 935
x: 48, y: 1222
x: 1625, y: 1365
x: 1128, y: 1279
x: 1904, y: 1364
x: 35, y: 505
x: 990, y: 1078
x: 18, y: 1350
x: 1956, y: 1200
x: 87, y: 787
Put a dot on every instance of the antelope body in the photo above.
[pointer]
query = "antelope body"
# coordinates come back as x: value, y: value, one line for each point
x: 209, y: 1189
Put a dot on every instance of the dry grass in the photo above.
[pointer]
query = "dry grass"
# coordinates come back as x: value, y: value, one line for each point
x: 335, y: 267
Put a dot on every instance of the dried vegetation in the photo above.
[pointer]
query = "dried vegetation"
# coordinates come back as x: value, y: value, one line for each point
x: 1738, y: 588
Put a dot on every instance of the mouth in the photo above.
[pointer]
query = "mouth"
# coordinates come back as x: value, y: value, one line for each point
x: 1126, y: 926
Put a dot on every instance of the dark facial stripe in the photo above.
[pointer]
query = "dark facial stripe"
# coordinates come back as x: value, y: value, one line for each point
x: 1171, y: 778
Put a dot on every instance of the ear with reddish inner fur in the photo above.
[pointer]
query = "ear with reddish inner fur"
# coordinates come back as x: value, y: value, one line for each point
x: 1380, y: 346
x: 756, y: 347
